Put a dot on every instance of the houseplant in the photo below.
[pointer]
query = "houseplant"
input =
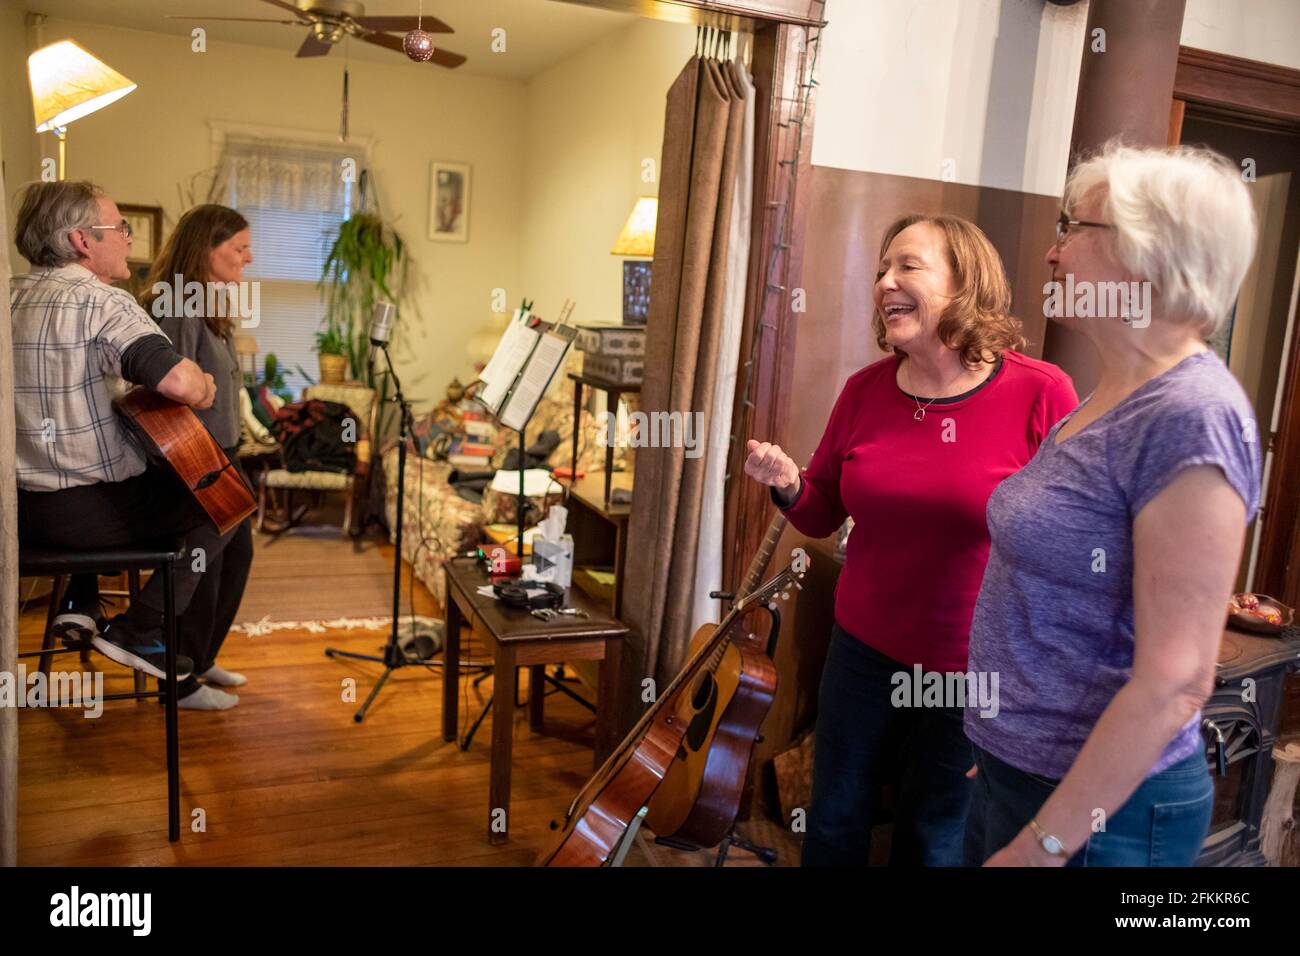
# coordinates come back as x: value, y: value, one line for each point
x: 333, y: 353
x: 366, y: 264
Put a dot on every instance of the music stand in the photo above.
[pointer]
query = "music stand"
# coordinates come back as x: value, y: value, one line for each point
x: 517, y: 403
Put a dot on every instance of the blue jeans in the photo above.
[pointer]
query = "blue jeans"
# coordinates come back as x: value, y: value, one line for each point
x: 863, y: 742
x: 1164, y: 823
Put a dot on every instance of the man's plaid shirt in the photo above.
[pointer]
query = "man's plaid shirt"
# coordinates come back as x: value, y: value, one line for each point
x: 69, y: 333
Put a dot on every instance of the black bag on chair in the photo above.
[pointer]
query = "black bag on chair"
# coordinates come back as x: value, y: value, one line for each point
x: 312, y: 436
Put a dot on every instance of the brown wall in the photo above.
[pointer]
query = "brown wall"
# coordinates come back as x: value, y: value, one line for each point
x: 848, y: 212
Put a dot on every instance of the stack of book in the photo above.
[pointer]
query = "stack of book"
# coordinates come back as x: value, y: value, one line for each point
x: 468, y: 453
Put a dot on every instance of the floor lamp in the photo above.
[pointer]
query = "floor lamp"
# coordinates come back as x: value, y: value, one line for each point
x: 67, y: 84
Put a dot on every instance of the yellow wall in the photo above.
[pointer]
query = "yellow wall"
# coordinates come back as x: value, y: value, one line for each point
x: 556, y: 161
x: 15, y: 113
x: 591, y: 121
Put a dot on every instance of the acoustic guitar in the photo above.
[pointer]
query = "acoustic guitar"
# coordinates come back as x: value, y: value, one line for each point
x: 172, y: 433
x: 701, y: 793
x: 598, y: 819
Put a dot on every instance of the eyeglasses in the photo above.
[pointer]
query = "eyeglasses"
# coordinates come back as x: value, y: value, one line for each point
x: 123, y: 227
x: 1065, y: 224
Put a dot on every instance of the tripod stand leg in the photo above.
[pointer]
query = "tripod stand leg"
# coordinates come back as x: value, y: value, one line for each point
x: 360, y: 715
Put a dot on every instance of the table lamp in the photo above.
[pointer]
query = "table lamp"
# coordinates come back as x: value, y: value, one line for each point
x: 67, y: 84
x: 637, y: 240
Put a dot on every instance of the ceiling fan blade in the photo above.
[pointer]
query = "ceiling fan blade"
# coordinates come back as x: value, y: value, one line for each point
x: 385, y: 40
x: 285, y: 6
x: 313, y: 47
x: 440, y: 56
x: 403, y: 24
x: 446, y: 58
x: 292, y: 23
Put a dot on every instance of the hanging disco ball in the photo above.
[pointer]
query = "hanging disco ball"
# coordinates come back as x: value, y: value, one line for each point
x: 418, y: 45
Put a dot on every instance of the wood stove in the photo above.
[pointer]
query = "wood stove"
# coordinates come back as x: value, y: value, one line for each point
x: 1240, y: 722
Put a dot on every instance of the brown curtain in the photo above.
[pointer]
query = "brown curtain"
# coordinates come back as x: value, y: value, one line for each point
x: 8, y: 560
x: 703, y: 132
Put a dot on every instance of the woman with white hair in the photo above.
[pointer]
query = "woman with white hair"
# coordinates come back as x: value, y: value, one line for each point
x: 1114, y: 551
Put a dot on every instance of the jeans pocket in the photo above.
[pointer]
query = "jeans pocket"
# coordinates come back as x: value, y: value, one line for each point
x: 1178, y: 829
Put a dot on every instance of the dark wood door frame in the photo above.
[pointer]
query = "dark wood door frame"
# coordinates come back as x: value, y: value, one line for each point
x: 782, y: 139
x: 1260, y: 96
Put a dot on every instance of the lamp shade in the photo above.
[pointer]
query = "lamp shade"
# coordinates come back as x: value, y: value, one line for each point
x: 638, y: 235
x: 68, y: 83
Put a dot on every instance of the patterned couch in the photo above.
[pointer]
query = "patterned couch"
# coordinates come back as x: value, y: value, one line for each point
x: 439, y: 523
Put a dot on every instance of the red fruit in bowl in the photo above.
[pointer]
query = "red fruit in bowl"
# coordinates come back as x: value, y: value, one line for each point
x: 1247, y: 602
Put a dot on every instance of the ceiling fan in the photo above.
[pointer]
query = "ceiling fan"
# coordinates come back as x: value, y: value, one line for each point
x: 331, y: 20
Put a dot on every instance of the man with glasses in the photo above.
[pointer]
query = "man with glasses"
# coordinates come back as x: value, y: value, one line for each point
x: 82, y: 480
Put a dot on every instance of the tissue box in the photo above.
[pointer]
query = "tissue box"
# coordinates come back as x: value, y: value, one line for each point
x: 554, y: 559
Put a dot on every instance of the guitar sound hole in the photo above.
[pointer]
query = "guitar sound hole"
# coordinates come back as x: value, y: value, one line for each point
x: 210, y: 478
x: 703, y: 691
x: 705, y: 701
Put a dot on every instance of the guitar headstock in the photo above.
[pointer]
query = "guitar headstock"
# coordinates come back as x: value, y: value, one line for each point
x: 778, y: 587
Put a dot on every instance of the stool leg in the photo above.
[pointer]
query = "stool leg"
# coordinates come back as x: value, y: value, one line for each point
x: 85, y: 653
x: 56, y: 595
x: 261, y: 500
x: 133, y: 589
x: 173, y: 745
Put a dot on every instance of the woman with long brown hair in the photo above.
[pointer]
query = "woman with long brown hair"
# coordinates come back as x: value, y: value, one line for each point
x: 195, y: 294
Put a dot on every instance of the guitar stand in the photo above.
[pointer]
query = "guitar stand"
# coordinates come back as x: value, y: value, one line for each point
x: 765, y: 853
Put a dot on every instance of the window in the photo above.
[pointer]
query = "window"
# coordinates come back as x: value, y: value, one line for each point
x: 294, y: 198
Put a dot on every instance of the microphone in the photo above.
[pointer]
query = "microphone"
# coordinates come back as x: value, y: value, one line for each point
x: 381, y: 323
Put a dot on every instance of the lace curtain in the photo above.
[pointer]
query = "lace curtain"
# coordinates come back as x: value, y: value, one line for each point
x: 289, y: 176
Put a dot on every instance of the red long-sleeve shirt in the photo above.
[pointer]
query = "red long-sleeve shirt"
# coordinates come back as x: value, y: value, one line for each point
x: 917, y: 491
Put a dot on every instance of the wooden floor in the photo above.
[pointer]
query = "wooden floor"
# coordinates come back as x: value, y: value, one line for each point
x: 287, y: 777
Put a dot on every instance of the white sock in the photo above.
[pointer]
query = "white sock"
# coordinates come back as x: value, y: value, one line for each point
x: 207, y: 698
x: 222, y: 677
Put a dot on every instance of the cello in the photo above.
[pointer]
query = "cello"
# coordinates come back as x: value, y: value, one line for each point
x: 599, y: 816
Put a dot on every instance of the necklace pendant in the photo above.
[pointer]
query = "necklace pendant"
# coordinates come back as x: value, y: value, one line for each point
x: 919, y: 415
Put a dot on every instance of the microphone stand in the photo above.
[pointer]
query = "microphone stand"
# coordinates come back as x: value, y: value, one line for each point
x: 393, y: 657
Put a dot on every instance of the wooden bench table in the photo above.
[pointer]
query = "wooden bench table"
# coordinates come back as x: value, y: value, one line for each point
x: 517, y: 639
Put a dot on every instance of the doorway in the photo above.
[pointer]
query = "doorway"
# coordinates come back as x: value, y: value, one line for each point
x: 1259, y: 129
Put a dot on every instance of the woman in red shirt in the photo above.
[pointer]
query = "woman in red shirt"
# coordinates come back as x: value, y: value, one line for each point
x: 915, y: 445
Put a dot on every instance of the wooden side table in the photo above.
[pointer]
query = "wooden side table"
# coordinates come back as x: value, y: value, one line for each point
x: 517, y: 639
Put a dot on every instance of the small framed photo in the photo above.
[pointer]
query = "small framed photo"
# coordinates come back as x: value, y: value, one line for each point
x: 146, y: 231
x: 449, y: 202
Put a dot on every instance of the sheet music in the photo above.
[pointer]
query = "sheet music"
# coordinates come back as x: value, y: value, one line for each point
x: 546, y: 359
x: 511, y: 354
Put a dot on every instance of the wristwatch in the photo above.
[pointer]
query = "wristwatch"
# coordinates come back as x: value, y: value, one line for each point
x: 1048, y: 842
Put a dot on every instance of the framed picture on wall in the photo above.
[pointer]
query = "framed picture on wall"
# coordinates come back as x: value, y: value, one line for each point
x: 146, y: 242
x: 449, y: 202
x: 146, y: 231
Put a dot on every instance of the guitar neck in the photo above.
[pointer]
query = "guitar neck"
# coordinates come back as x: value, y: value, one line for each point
x: 757, y: 565
x: 761, y: 557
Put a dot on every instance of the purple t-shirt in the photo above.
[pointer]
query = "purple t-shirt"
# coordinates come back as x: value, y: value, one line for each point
x: 1054, y: 618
